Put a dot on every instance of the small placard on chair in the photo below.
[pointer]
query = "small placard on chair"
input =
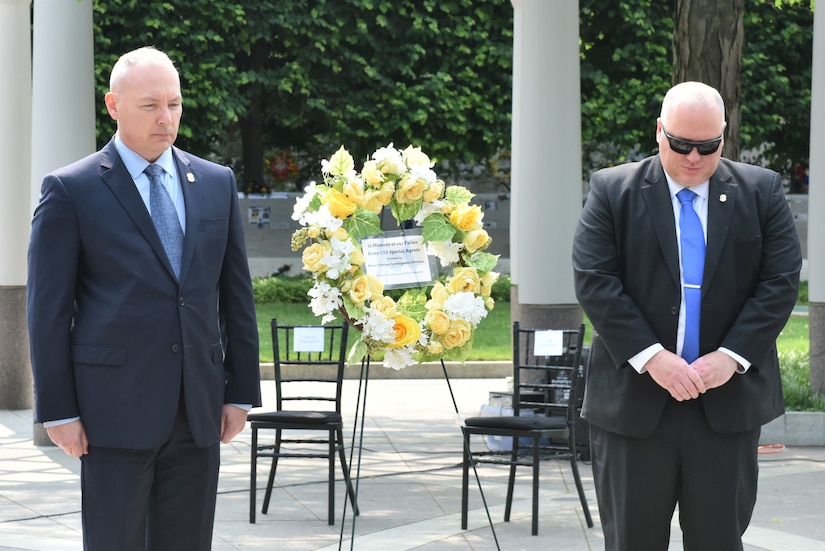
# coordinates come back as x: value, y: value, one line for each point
x: 548, y: 343
x: 308, y: 339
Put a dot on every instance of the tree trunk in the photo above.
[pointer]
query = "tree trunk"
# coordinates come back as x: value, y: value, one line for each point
x: 707, y: 47
x: 251, y: 125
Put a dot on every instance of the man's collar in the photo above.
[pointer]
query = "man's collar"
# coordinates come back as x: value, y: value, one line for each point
x: 136, y: 164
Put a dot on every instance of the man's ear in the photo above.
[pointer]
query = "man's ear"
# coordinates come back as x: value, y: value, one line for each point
x: 111, y: 104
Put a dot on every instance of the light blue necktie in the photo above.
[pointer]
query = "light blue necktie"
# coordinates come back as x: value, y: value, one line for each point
x: 692, y: 239
x: 165, y: 217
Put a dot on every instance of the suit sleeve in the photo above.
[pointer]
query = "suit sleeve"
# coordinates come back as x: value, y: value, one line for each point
x: 598, y: 271
x: 773, y: 290
x: 237, y: 311
x: 53, y: 256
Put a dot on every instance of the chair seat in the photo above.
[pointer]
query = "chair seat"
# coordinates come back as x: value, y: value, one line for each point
x: 296, y: 416
x: 518, y: 423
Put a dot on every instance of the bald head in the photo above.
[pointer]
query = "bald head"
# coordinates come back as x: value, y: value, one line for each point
x: 140, y: 57
x: 693, y: 96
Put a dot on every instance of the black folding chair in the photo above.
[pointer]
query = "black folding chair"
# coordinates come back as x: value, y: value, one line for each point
x: 308, y: 401
x: 545, y: 387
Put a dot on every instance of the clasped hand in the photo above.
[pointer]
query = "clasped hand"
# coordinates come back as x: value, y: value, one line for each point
x: 686, y: 381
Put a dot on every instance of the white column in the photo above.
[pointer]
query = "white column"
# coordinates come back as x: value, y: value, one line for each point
x: 15, y: 124
x: 816, y: 207
x: 63, y: 95
x: 546, y: 190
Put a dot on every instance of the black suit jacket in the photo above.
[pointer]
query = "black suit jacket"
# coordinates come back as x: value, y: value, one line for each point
x: 113, y: 334
x: 626, y: 271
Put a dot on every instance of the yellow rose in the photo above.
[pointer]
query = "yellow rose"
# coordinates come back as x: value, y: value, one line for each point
x: 354, y: 190
x: 414, y: 156
x: 434, y: 347
x: 365, y: 287
x: 433, y: 191
x: 476, y: 240
x: 438, y: 295
x: 438, y: 321
x: 340, y: 206
x: 487, y: 281
x: 356, y: 258
x: 372, y: 201
x: 313, y: 257
x: 314, y: 231
x: 385, y: 305
x: 372, y: 174
x: 339, y: 233
x: 466, y: 217
x: 464, y: 280
x: 386, y: 192
x: 407, y: 331
x: 410, y: 190
x: 489, y: 303
x: 457, y: 335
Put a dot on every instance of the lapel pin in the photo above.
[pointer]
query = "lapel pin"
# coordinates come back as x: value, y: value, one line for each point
x: 190, y: 177
x: 723, y: 198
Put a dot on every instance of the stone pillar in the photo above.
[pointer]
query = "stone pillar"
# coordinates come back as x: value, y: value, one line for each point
x: 63, y: 124
x: 816, y: 205
x: 546, y: 189
x: 15, y: 122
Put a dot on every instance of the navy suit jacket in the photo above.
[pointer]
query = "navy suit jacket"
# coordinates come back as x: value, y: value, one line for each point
x: 113, y: 334
x: 626, y: 272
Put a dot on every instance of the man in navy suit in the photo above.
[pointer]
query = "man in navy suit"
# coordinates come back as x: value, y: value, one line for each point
x: 670, y: 426
x: 143, y: 360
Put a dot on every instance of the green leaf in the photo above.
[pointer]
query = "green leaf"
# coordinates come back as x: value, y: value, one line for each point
x: 412, y: 303
x: 363, y: 223
x: 482, y: 262
x: 437, y: 228
x: 405, y: 211
x: 353, y: 311
x: 458, y: 195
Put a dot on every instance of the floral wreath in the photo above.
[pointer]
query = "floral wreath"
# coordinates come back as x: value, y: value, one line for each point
x: 420, y: 326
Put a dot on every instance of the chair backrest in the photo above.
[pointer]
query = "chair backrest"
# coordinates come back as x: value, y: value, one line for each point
x: 309, y: 365
x: 547, y: 369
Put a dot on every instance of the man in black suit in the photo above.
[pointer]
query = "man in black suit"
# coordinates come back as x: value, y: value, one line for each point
x: 141, y: 317
x: 666, y: 429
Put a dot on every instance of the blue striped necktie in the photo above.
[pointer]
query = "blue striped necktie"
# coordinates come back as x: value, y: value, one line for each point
x: 692, y: 239
x: 165, y: 217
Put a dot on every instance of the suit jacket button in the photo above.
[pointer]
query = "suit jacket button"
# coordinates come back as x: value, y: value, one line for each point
x: 674, y: 311
x: 182, y: 302
x: 176, y: 348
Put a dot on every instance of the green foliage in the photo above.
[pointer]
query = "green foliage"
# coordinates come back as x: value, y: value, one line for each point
x: 796, y: 382
x: 776, y: 83
x: 282, y: 289
x: 625, y: 71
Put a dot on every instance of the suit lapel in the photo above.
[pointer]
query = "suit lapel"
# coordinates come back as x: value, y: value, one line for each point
x: 660, y: 208
x: 722, y: 194
x: 192, y: 198
x: 114, y: 174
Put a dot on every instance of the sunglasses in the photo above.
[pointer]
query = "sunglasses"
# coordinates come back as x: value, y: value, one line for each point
x: 684, y: 147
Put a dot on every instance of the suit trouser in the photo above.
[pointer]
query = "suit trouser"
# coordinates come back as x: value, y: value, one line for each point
x: 639, y: 481
x: 151, y: 500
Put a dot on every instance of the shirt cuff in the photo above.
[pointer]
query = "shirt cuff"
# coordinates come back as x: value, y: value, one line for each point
x: 245, y: 407
x: 744, y: 364
x: 58, y: 422
x: 639, y: 361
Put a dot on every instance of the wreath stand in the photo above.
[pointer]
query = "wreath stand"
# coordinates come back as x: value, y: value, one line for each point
x: 358, y: 432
